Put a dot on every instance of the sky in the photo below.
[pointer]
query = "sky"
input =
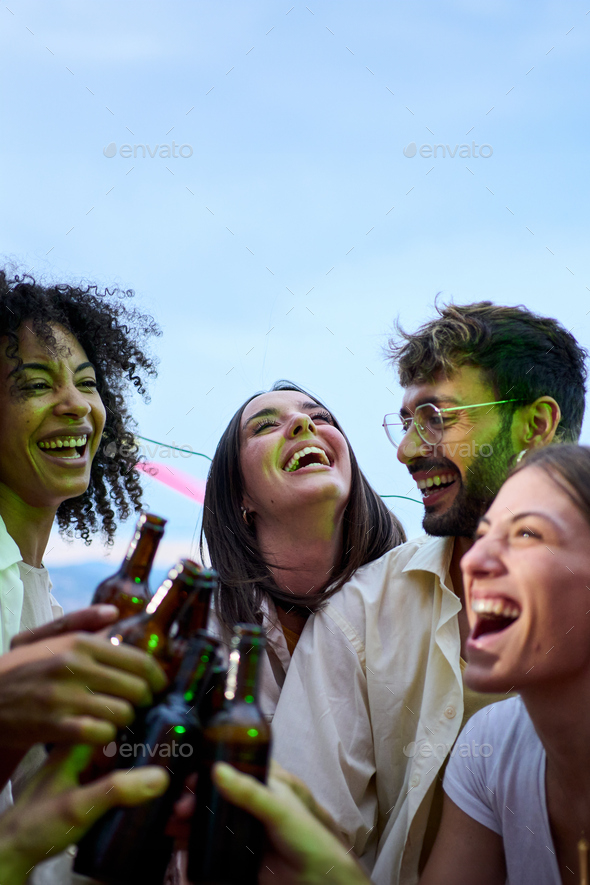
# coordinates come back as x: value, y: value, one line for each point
x: 280, y: 183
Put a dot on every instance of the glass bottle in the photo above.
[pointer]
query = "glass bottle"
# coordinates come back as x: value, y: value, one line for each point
x: 194, y: 614
x: 226, y: 843
x: 150, y: 630
x: 128, y: 588
x: 129, y: 846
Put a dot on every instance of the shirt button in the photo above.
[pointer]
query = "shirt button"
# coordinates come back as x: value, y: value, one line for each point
x: 414, y: 780
x: 450, y: 712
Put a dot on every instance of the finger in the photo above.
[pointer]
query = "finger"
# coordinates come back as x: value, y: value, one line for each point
x: 126, y: 788
x: 103, y: 679
x: 125, y: 657
x: 90, y: 619
x: 248, y: 793
x: 82, y: 729
x: 74, y: 700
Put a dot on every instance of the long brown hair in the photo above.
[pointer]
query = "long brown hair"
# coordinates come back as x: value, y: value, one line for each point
x: 370, y: 530
x: 569, y: 467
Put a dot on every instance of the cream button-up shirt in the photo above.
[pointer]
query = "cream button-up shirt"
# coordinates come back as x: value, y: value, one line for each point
x: 11, y: 588
x: 373, y: 702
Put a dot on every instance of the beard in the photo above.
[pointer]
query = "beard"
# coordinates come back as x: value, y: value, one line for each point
x: 485, y: 476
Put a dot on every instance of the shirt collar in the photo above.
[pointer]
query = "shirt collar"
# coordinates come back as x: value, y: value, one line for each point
x: 9, y: 552
x: 433, y: 555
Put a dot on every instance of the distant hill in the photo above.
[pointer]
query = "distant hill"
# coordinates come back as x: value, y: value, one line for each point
x: 73, y: 585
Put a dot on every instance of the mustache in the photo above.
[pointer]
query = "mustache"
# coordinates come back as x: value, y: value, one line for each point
x: 430, y: 464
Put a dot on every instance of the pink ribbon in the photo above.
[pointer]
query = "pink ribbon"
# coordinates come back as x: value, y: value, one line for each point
x: 175, y: 479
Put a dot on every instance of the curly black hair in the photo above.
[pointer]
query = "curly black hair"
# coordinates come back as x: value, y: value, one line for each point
x: 114, y: 337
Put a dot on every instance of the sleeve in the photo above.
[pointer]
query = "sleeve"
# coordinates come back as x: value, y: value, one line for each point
x: 470, y: 779
x: 323, y: 735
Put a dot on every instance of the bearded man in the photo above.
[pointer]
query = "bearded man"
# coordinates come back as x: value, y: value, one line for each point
x: 374, y: 697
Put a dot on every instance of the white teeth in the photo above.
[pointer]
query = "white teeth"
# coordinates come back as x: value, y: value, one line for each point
x: 496, y: 607
x: 440, y: 479
x: 308, y: 450
x: 67, y: 442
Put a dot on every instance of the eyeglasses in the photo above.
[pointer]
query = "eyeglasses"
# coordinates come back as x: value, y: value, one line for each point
x: 428, y: 420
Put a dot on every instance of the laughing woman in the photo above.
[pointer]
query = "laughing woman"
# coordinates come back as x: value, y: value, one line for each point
x: 517, y: 813
x: 66, y: 358
x: 288, y: 519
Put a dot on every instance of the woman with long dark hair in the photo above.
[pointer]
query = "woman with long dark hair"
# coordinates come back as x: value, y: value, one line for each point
x: 289, y: 518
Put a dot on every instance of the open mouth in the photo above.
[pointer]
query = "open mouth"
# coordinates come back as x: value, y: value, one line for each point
x: 305, y: 457
x: 68, y: 448
x: 435, y: 483
x: 494, y: 614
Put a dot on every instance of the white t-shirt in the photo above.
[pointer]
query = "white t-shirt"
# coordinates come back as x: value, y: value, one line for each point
x: 497, y: 776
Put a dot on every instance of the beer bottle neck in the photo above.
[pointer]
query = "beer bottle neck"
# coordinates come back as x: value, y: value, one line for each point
x: 195, y: 668
x: 163, y: 608
x: 195, y: 613
x: 242, y: 677
x: 140, y: 555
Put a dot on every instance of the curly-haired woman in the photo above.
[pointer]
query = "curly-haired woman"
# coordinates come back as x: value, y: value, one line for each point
x: 67, y: 358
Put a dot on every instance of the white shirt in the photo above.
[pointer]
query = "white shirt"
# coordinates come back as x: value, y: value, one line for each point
x: 26, y: 602
x: 499, y: 781
x: 373, y: 702
x: 11, y: 588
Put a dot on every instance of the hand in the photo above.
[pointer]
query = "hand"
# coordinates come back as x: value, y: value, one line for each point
x: 54, y: 812
x: 72, y: 688
x: 304, y: 850
x: 91, y: 619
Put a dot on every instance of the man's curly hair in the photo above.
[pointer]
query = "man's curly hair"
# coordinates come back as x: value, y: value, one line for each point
x: 114, y: 337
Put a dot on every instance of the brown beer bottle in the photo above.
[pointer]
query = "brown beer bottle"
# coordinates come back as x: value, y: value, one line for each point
x: 195, y: 611
x: 226, y: 843
x: 192, y: 619
x: 150, y: 630
x: 128, y: 589
x: 214, y: 696
x: 129, y: 846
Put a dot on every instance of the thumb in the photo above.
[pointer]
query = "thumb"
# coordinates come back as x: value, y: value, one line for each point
x: 126, y: 788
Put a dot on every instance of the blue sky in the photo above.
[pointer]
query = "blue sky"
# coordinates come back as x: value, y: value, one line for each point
x: 296, y: 231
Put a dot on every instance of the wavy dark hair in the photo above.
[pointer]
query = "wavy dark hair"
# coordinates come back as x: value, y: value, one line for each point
x: 370, y: 530
x: 114, y: 337
x: 522, y: 354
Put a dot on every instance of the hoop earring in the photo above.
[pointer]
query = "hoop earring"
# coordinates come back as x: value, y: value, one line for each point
x: 247, y: 517
x: 520, y: 456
